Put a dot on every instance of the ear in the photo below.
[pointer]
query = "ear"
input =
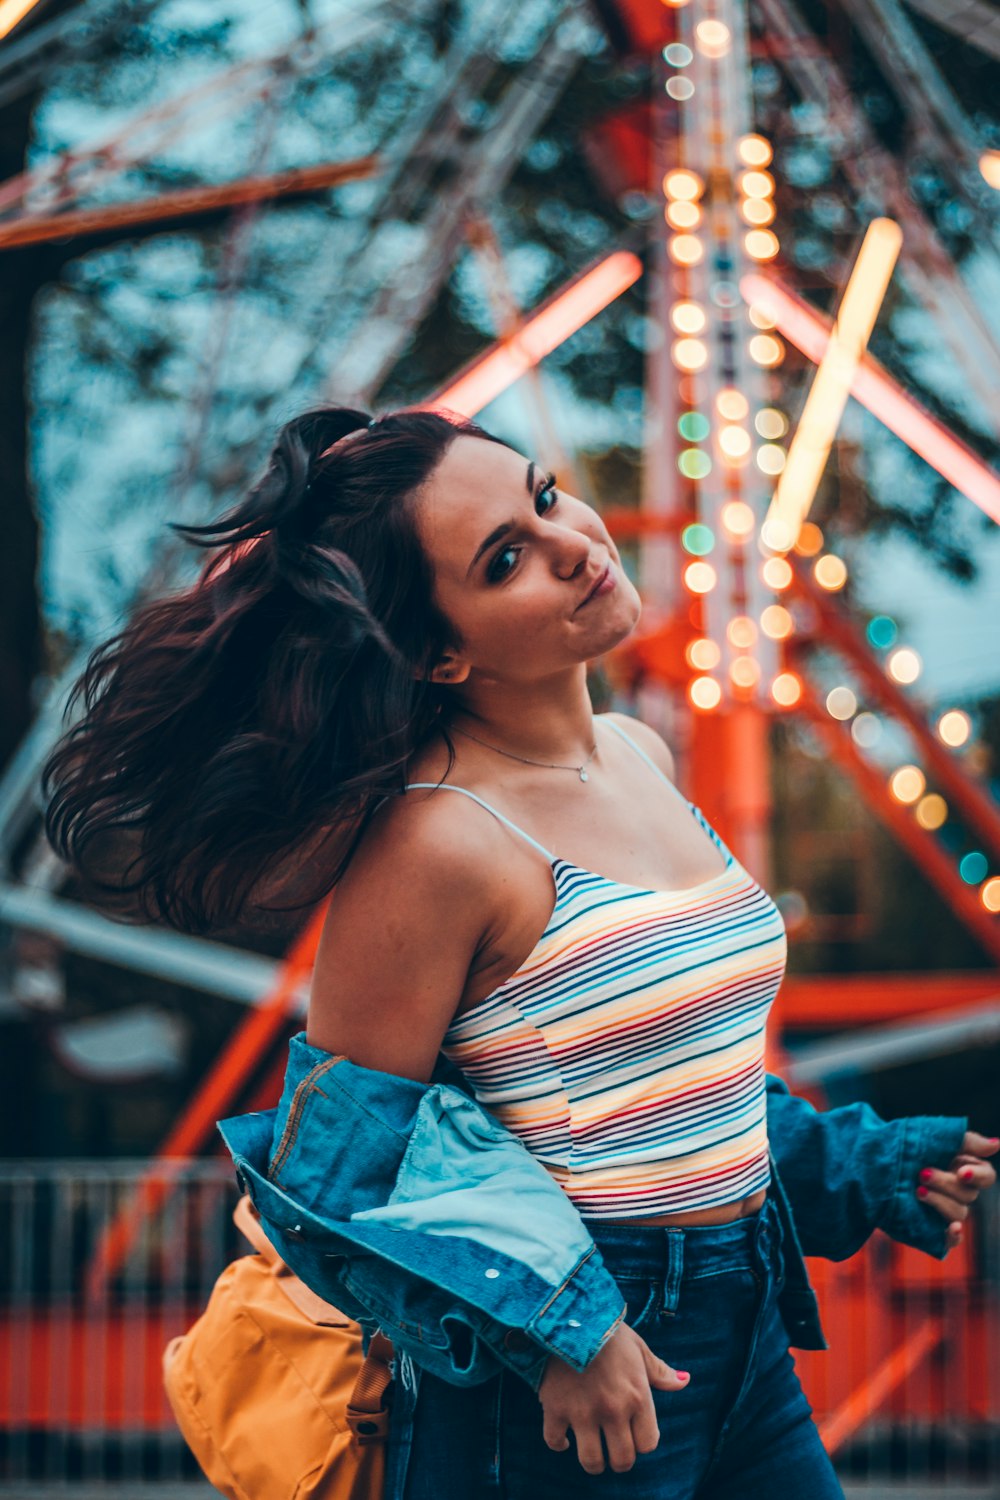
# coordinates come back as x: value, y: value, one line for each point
x: 449, y: 670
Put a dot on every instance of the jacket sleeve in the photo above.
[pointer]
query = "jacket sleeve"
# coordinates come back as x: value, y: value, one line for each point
x: 848, y: 1172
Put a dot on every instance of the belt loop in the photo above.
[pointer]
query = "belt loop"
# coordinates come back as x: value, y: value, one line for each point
x: 675, y: 1270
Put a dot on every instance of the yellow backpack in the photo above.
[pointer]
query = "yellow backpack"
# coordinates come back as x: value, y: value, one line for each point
x: 271, y: 1389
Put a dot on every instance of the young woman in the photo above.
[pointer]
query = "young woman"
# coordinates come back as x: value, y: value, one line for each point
x: 380, y: 682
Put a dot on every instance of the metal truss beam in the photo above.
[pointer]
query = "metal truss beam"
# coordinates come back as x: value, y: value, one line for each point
x: 975, y: 21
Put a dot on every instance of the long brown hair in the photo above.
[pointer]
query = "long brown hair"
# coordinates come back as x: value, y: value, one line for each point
x: 236, y: 736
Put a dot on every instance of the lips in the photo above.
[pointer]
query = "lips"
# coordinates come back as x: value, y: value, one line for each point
x: 598, y: 583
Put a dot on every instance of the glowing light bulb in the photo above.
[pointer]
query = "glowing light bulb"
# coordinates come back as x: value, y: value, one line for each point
x: 754, y: 151
x: 732, y: 404
x: 705, y: 693
x: 767, y: 350
x: 737, y: 520
x: 713, y: 38
x: 757, y: 211
x: 771, y: 423
x: 756, y: 184
x: 688, y: 317
x: 744, y: 672
x: 989, y: 893
x: 686, y: 249
x: 830, y: 572
x: 776, y: 573
x: 741, y: 632
x: 954, y: 727
x: 682, y: 214
x: 776, y: 622
x: 907, y: 784
x: 841, y: 703
x: 989, y: 165
x: 703, y: 654
x: 904, y: 665
x: 759, y: 318
x: 786, y: 689
x: 771, y: 459
x: 700, y: 577
x: 680, y: 183
x: 689, y: 354
x: 776, y: 534
x: 734, y: 442
x: 809, y: 540
x: 932, y: 811
x: 761, y: 244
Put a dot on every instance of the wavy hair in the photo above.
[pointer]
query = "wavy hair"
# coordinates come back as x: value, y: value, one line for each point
x: 236, y: 737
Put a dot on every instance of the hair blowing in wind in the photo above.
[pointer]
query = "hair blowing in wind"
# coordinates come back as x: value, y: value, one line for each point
x: 234, y: 738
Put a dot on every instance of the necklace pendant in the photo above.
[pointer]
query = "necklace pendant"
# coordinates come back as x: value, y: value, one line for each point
x: 583, y: 775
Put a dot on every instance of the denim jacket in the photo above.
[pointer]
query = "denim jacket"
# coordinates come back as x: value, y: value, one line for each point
x: 410, y: 1207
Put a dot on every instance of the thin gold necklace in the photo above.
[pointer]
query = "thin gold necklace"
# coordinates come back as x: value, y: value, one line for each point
x: 549, y: 765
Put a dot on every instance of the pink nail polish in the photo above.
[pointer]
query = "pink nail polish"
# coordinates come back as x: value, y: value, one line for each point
x: 921, y: 1192
x: 682, y: 1374
x: 926, y: 1175
x: 967, y: 1174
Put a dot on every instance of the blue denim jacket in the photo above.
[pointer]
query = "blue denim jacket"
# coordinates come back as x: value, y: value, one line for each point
x: 409, y: 1206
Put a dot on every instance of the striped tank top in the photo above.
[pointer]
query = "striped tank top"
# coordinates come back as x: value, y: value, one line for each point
x: 627, y: 1050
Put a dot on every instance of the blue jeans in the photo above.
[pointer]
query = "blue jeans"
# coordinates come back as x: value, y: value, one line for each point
x: 705, y: 1300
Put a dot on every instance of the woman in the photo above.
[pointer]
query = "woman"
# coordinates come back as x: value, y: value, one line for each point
x: 408, y: 605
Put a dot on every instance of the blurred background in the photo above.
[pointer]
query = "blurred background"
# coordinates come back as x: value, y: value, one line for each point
x: 733, y: 271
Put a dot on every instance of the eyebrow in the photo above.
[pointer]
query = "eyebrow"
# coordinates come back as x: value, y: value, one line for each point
x: 499, y: 532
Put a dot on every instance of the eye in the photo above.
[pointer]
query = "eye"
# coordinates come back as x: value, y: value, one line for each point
x: 548, y: 494
x: 503, y: 563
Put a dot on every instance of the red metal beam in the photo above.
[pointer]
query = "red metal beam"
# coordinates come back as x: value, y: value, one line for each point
x: 184, y: 203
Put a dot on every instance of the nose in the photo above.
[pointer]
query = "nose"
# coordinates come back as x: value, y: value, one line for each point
x: 572, y: 552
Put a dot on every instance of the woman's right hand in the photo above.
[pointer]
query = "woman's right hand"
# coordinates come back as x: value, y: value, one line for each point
x: 611, y: 1396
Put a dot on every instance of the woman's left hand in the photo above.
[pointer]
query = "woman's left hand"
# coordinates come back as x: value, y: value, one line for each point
x: 952, y: 1192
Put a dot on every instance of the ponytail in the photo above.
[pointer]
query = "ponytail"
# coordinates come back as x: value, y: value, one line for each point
x: 235, y: 737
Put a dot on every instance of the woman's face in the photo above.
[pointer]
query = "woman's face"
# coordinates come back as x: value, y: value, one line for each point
x: 514, y: 562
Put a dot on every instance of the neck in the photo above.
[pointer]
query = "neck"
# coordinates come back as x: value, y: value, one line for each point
x: 547, y: 720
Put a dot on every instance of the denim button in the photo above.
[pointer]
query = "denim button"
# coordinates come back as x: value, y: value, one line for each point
x: 491, y: 1274
x: 295, y: 1233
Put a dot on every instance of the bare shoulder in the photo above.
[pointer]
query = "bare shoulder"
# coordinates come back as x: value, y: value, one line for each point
x: 648, y: 739
x: 404, y: 925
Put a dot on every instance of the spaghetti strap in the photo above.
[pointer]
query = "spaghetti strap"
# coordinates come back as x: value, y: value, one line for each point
x: 647, y: 758
x: 446, y: 786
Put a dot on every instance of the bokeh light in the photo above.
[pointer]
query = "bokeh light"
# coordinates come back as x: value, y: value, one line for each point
x: 973, y: 867
x: 830, y: 572
x: 700, y: 577
x: 776, y: 622
x: 809, y: 540
x: 764, y: 349
x: 761, y: 244
x: 703, y: 654
x: 786, y: 689
x: 771, y: 423
x: 713, y: 38
x: 694, y: 464
x: 686, y: 249
x: 680, y: 183
x: 744, y: 671
x: 771, y: 459
x: 705, y: 693
x: 737, y: 520
x: 866, y: 730
x: 754, y: 150
x: 954, y: 727
x: 689, y: 354
x: 741, y: 632
x: 932, y: 811
x: 688, y: 317
x: 907, y: 784
x: 990, y: 893
x: 734, y: 442
x: 732, y: 404
x: 679, y: 88
x: 881, y: 631
x: 904, y: 665
x: 693, y: 426
x: 697, y: 539
x: 682, y: 214
x: 841, y: 703
x: 777, y: 573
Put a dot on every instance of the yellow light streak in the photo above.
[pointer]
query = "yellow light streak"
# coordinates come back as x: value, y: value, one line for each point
x: 12, y: 11
x: 813, y: 438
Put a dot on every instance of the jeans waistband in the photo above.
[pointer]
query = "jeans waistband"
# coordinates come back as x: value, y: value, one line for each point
x: 652, y: 1251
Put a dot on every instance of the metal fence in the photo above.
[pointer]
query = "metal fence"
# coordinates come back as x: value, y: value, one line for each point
x: 101, y: 1263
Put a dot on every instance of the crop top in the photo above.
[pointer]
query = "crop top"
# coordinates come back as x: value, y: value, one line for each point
x: 627, y: 1050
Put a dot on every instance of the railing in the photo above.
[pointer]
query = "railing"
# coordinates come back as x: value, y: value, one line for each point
x: 908, y: 1393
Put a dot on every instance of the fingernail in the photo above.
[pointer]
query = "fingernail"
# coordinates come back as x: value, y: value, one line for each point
x: 682, y: 1374
x: 926, y: 1175
x: 967, y: 1174
x: 921, y: 1192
